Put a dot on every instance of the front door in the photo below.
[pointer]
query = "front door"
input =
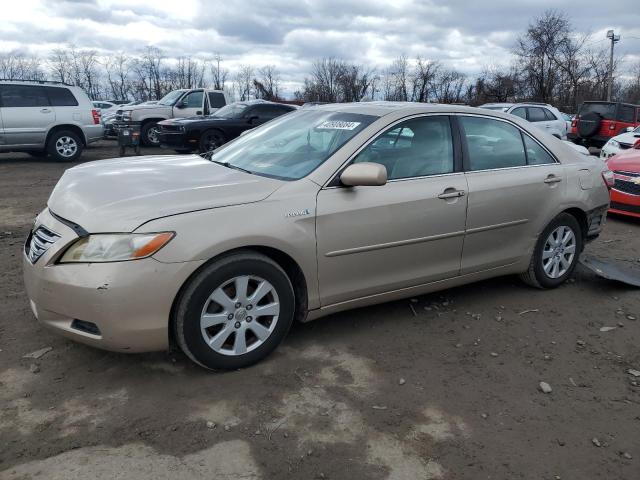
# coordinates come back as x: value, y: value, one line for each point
x: 191, y: 105
x: 408, y: 232
x: 514, y: 187
x: 26, y: 113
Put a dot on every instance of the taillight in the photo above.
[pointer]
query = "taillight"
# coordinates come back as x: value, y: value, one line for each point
x: 574, y: 122
x: 96, y: 116
x: 608, y: 179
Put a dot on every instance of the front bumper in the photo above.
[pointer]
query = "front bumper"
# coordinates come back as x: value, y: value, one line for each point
x: 177, y: 140
x: 624, y: 203
x: 129, y: 303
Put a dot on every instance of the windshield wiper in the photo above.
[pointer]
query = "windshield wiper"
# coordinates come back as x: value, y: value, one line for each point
x: 229, y: 165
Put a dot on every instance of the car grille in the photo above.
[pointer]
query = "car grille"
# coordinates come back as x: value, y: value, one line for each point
x: 624, y: 207
x: 627, y: 186
x: 171, y: 128
x: 39, y: 242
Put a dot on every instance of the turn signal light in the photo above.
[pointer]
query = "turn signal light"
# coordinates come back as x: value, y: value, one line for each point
x: 96, y: 116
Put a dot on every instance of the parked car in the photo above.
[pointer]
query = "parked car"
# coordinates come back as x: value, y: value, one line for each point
x: 318, y: 211
x: 542, y: 115
x: 567, y: 120
x: 625, y: 194
x: 210, y: 132
x: 621, y: 142
x: 104, y: 106
x: 46, y: 118
x: 597, y: 122
x: 178, y: 103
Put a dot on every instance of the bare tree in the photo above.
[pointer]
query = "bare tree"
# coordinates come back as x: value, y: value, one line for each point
x: 267, y: 85
x: 244, y: 82
x: 218, y: 73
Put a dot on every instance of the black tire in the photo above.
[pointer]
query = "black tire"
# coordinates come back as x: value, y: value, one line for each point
x: 147, y: 135
x: 199, y: 289
x: 64, y: 146
x: 589, y: 124
x: 211, y: 139
x: 38, y: 153
x: 535, y: 275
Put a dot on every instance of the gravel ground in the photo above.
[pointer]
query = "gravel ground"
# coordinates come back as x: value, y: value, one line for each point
x: 452, y: 392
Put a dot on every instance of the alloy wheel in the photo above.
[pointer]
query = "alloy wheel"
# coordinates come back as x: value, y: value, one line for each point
x: 240, y: 315
x: 66, y: 146
x: 559, y: 252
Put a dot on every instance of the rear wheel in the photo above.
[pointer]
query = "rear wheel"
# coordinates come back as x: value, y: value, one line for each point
x: 235, y: 312
x: 64, y: 146
x: 556, y: 253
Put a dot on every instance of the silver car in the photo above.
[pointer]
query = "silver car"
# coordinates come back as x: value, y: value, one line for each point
x: 46, y: 118
x: 318, y: 211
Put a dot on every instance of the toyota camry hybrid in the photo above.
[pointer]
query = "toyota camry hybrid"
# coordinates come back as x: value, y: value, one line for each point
x: 318, y: 211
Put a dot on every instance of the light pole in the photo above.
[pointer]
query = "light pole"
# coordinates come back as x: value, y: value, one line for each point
x: 614, y: 39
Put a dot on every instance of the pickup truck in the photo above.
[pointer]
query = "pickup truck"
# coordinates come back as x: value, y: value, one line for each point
x: 175, y: 104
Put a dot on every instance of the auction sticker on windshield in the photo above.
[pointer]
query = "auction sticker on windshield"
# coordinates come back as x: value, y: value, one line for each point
x: 337, y: 125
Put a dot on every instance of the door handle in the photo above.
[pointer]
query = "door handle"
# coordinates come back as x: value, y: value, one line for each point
x: 552, y: 179
x: 45, y: 110
x: 451, y: 193
x: 199, y: 112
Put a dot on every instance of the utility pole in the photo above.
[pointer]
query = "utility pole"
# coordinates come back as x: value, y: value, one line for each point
x: 614, y: 39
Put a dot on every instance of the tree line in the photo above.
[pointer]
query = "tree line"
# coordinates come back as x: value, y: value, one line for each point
x: 552, y: 63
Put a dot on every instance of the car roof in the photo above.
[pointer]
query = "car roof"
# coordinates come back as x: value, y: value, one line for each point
x: 382, y: 108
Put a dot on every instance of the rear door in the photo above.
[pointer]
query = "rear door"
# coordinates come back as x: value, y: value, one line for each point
x: 539, y: 117
x: 26, y: 113
x: 515, y: 186
x: 216, y: 101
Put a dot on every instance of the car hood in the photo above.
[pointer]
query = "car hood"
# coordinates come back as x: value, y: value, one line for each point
x: 628, y: 137
x: 121, y: 194
x: 628, y: 161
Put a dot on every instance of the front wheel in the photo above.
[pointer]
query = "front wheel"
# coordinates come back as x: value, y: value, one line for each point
x: 235, y: 312
x: 150, y: 134
x: 210, y: 140
x: 556, y: 253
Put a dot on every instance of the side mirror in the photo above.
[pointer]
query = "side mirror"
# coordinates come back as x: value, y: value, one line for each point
x: 365, y: 174
x: 181, y: 104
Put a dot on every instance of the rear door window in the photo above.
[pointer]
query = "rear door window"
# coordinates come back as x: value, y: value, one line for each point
x: 62, y: 97
x: 549, y: 114
x: 23, y: 96
x: 216, y: 100
x: 536, y: 114
x: 536, y: 155
x: 492, y: 144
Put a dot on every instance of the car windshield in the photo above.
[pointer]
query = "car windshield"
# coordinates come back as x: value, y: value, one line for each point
x: 606, y: 110
x: 233, y: 110
x: 292, y: 146
x: 171, y: 98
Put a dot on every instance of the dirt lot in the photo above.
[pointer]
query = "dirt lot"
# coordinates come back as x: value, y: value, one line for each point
x: 376, y: 393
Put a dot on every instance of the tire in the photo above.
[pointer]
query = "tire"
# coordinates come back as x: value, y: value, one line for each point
x: 220, y: 281
x: 149, y: 134
x: 589, y: 124
x: 211, y: 139
x: 536, y: 276
x: 64, y: 146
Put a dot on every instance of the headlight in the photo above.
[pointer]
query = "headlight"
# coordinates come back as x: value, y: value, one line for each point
x: 126, y: 115
x: 614, y: 143
x: 115, y: 247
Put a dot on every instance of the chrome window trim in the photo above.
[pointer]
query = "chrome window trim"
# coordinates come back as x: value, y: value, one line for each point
x: 375, y: 136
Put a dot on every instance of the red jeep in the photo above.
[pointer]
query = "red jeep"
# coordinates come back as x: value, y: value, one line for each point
x: 597, y: 122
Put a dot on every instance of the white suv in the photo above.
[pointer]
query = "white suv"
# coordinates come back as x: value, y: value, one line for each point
x: 543, y: 115
x: 46, y: 118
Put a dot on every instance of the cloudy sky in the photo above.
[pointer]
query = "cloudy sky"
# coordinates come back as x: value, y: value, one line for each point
x: 292, y: 33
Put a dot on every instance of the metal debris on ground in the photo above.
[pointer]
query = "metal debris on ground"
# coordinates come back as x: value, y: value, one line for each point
x: 38, y: 353
x: 533, y: 310
x: 619, y: 271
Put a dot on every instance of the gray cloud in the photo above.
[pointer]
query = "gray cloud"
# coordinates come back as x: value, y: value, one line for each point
x: 292, y: 33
